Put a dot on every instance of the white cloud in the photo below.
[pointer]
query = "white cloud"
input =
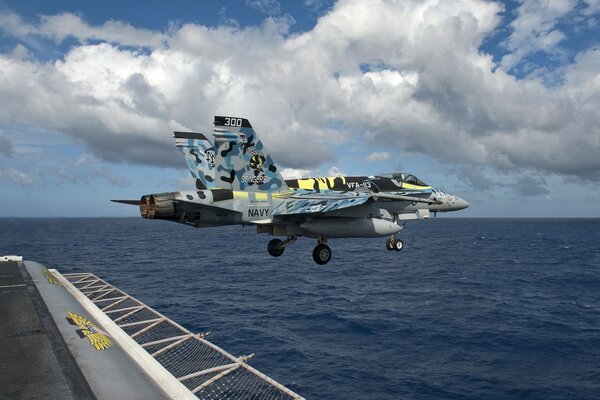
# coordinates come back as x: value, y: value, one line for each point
x: 426, y: 88
x: 184, y: 182
x: 378, y: 156
x: 592, y: 7
x: 335, y: 171
x: 67, y: 25
x: 296, y: 173
x: 269, y: 7
x: 16, y: 176
x: 317, y: 5
x: 537, y: 27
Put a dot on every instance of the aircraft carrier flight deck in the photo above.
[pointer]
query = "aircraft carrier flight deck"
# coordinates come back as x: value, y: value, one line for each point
x: 75, y: 336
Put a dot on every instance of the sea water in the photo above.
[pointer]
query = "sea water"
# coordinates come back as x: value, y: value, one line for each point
x: 470, y: 309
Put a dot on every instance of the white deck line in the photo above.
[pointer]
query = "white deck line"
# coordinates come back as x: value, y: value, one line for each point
x: 152, y: 368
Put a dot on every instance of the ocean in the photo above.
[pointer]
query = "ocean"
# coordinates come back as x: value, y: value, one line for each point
x: 470, y: 309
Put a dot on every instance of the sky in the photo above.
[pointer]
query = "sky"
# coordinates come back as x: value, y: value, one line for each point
x: 494, y: 101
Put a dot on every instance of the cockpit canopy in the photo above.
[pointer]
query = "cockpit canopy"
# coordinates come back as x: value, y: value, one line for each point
x: 406, y: 178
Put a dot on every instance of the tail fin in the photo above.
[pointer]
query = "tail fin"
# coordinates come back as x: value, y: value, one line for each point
x: 199, y: 154
x: 240, y: 158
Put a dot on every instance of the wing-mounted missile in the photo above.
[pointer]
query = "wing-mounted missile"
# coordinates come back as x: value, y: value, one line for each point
x: 399, y: 197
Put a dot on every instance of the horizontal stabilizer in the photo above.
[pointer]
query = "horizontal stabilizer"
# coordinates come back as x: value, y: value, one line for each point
x: 205, y: 215
x: 130, y: 202
x: 189, y: 135
x: 193, y: 206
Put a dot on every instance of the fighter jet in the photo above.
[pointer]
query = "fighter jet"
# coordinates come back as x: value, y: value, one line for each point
x: 237, y: 182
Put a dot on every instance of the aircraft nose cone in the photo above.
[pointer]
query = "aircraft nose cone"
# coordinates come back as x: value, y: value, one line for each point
x: 460, y: 204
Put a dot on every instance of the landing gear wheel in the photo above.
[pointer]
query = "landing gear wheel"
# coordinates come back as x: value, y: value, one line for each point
x: 273, y: 248
x: 398, y: 245
x: 322, y: 254
x: 390, y: 244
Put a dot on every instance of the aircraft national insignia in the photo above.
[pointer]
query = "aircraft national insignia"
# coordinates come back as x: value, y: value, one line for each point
x: 99, y: 339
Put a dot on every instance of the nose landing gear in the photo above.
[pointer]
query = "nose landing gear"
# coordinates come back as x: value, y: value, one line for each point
x: 393, y: 243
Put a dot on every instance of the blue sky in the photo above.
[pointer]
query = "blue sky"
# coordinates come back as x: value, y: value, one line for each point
x: 494, y: 101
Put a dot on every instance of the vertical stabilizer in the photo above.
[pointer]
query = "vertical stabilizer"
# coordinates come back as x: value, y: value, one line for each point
x: 199, y: 154
x: 240, y: 159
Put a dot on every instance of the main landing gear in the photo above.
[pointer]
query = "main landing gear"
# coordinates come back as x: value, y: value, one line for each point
x: 321, y: 253
x: 277, y: 246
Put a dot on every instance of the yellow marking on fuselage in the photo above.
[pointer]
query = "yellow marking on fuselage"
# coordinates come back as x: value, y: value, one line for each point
x: 240, y: 195
x: 258, y: 196
x: 414, y: 187
x: 306, y: 184
x: 283, y: 195
x: 261, y: 196
x: 323, y: 183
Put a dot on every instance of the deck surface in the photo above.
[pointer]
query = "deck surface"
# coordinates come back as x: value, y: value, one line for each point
x: 34, y: 360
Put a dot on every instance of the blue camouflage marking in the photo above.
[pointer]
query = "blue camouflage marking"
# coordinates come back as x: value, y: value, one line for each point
x: 312, y: 203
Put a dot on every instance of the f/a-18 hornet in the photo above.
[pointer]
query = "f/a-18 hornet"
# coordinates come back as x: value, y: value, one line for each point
x: 237, y: 182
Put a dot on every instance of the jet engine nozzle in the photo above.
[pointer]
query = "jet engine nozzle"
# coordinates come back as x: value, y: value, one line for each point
x: 158, y: 206
x: 144, y: 206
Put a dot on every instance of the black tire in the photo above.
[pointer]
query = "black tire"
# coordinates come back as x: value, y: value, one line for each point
x: 390, y: 244
x: 322, y: 254
x: 272, y: 248
x: 398, y: 245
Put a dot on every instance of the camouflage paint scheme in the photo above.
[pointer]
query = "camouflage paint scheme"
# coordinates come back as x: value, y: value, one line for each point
x: 240, y: 158
x: 310, y: 203
x: 237, y: 182
x: 199, y: 154
x: 242, y: 165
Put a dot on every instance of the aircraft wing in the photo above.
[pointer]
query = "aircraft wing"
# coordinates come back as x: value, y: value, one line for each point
x: 308, y: 202
x: 319, y: 203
